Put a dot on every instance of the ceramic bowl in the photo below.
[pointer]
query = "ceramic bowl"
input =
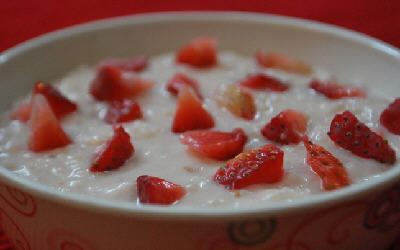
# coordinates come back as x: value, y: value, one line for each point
x: 363, y: 216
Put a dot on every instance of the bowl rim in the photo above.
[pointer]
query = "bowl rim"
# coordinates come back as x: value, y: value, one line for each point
x: 161, y: 212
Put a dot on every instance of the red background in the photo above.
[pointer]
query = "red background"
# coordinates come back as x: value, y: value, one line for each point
x: 24, y: 19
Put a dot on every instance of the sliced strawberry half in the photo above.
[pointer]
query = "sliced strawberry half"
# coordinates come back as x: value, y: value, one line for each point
x: 113, y: 84
x: 46, y: 131
x: 327, y: 166
x: 180, y: 79
x: 130, y: 64
x: 22, y: 112
x: 113, y: 153
x: 215, y: 144
x: 261, y: 165
x: 201, y: 52
x: 282, y: 62
x: 261, y: 81
x: 333, y: 90
x: 390, y: 117
x: 287, y: 127
x: 123, y: 111
x: 238, y: 101
x: 349, y: 133
x: 154, y: 190
x: 190, y: 114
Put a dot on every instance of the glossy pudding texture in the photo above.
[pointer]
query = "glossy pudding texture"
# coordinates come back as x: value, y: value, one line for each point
x: 159, y: 151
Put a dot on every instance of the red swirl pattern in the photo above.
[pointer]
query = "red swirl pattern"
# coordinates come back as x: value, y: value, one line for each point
x: 13, y: 231
x: 62, y: 239
x: 21, y: 202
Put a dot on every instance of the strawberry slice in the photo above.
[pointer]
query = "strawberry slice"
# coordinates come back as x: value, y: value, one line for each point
x: 113, y: 84
x: 262, y: 81
x: 282, y: 62
x: 180, y: 79
x: 390, y: 117
x: 22, y: 112
x: 200, y: 53
x: 215, y: 144
x: 261, y: 165
x: 285, y: 128
x: 327, y: 166
x: 153, y: 190
x: 113, y: 153
x: 333, y: 90
x: 238, y: 101
x: 190, y: 114
x: 123, y: 111
x: 46, y: 131
x: 137, y: 64
x: 349, y: 133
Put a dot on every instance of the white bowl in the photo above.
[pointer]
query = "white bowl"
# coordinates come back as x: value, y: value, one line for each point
x: 363, y: 216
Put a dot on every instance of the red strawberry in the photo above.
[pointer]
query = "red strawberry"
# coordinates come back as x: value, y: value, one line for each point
x: 261, y: 165
x: 114, y: 84
x: 327, y: 166
x: 282, y: 62
x: 285, y: 128
x: 215, y: 144
x: 22, y: 113
x: 190, y: 114
x: 390, y: 117
x: 238, y: 101
x: 349, y: 133
x: 200, y: 52
x: 262, y: 81
x: 180, y: 79
x: 153, y: 190
x: 123, y: 111
x: 46, y: 131
x: 114, y: 153
x: 132, y: 64
x: 333, y: 90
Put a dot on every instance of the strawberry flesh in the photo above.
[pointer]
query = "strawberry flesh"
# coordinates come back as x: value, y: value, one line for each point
x: 286, y: 128
x: 46, y: 131
x: 215, y: 144
x: 123, y: 111
x: 190, y: 114
x: 390, y: 117
x: 327, y: 166
x: 180, y: 79
x: 132, y: 64
x: 22, y: 112
x: 258, y: 166
x: 349, y: 133
x: 262, y: 81
x: 154, y: 190
x: 282, y: 62
x: 200, y: 52
x: 238, y: 101
x: 333, y: 90
x: 113, y: 153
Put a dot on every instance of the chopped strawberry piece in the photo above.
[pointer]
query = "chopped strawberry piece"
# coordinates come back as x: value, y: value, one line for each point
x: 261, y: 165
x: 285, y: 128
x: 327, y: 166
x: 190, y: 114
x: 60, y: 104
x: 282, y: 62
x: 22, y: 113
x: 114, y: 153
x: 262, y: 81
x: 46, y: 131
x: 349, y: 133
x: 238, y: 101
x: 114, y: 84
x: 180, y: 79
x: 132, y: 64
x: 390, y: 117
x: 333, y: 90
x: 123, y: 111
x: 153, y: 190
x: 215, y: 144
x: 200, y: 52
